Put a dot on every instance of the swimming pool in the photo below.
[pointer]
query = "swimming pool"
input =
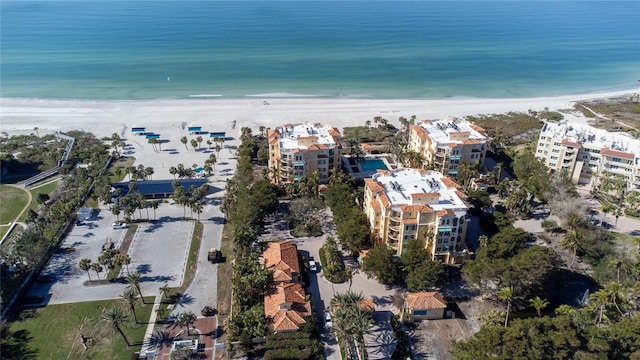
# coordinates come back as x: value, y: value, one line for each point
x: 369, y: 165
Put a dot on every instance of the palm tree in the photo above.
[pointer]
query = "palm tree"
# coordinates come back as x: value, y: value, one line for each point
x: 350, y: 321
x: 570, y: 243
x: 115, y: 317
x: 130, y: 296
x: 164, y: 290
x: 186, y: 319
x: 154, y: 205
x: 125, y: 260
x: 614, y: 293
x: 97, y: 268
x: 173, y: 171
x: 134, y: 279
x: 184, y: 141
x: 85, y: 265
x: 360, y: 325
x: 598, y: 301
x: 539, y: 304
x: 115, y: 210
x: 197, y: 207
x: 618, y: 264
x: 414, y: 159
x: 194, y: 144
x: 153, y: 142
x: 199, y: 140
x: 148, y: 172
x: 507, y: 295
x: 212, y: 160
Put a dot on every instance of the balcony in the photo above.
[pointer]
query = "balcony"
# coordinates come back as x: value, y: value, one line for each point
x: 393, y: 235
x: 395, y: 215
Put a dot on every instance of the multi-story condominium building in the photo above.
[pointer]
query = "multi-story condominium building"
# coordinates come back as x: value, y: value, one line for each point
x: 447, y: 143
x: 587, y: 154
x: 406, y: 204
x: 299, y: 150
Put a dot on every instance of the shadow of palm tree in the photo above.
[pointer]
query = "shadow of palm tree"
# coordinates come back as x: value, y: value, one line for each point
x: 185, y: 299
x: 15, y: 346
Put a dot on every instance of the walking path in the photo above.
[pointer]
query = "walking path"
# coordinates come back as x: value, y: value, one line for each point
x: 146, y: 343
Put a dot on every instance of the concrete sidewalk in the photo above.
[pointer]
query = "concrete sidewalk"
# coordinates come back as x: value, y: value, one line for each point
x: 147, y: 347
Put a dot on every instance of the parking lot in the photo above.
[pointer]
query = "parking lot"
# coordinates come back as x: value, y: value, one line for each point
x: 158, y: 251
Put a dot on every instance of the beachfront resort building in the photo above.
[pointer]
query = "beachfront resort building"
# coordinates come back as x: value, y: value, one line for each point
x: 299, y: 150
x: 588, y: 154
x: 445, y: 144
x: 407, y: 204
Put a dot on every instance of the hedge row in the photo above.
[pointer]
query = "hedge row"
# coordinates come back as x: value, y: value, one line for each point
x: 282, y: 354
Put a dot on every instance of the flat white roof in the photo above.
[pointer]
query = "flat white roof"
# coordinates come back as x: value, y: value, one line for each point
x: 439, y: 130
x: 400, y: 184
x: 289, y: 135
x: 592, y: 137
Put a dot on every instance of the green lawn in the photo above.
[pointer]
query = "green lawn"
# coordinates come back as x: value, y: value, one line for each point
x: 53, y: 332
x: 13, y: 200
x: 192, y: 259
x: 122, y: 164
x: 47, y: 188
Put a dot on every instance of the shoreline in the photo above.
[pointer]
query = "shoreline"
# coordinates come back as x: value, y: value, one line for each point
x: 293, y: 96
x: 104, y: 117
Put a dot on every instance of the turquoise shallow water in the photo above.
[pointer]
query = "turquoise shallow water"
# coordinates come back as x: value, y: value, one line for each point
x: 377, y: 49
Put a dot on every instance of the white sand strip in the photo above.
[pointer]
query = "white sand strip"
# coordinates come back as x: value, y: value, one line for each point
x: 106, y: 117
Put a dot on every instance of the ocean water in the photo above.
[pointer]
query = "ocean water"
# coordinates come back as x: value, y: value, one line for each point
x: 358, y: 49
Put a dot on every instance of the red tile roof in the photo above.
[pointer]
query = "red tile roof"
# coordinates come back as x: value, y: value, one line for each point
x: 571, y: 143
x: 285, y: 307
x: 281, y: 257
x: 425, y: 300
x: 615, y: 153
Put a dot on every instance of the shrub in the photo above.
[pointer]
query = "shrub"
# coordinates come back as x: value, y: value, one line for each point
x: 332, y: 263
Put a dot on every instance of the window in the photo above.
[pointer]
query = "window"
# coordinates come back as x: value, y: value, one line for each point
x: 556, y: 144
x: 594, y: 158
x: 543, y: 137
x: 554, y: 158
x: 552, y: 164
x: 555, y: 151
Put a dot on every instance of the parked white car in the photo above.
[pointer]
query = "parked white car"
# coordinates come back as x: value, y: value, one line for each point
x: 119, y: 225
x: 327, y: 319
x: 313, y: 267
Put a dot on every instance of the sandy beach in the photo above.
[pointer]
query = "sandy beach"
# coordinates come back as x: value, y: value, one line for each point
x: 169, y: 118
x: 20, y: 116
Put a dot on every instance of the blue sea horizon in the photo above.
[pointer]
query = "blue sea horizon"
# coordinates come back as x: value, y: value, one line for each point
x: 142, y: 50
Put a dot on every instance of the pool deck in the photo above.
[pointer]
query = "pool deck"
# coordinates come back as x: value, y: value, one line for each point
x: 356, y: 170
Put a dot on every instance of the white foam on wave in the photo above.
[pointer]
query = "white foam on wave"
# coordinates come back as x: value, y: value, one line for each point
x: 204, y: 95
x: 282, y: 95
